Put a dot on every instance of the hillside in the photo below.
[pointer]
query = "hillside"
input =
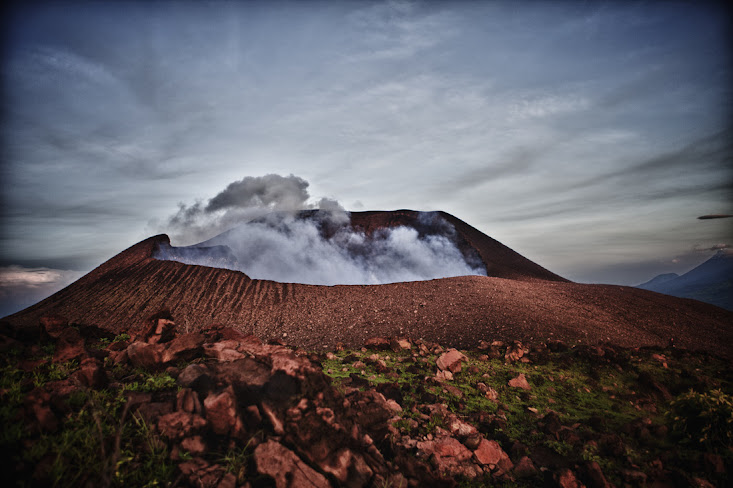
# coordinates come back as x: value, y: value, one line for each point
x: 456, y: 312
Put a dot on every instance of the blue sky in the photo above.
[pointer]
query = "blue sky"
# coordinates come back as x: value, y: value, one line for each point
x: 586, y: 136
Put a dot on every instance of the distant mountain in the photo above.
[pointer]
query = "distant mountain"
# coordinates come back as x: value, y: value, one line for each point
x: 711, y: 282
x: 658, y: 280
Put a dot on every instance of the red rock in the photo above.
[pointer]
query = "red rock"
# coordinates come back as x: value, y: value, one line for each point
x: 451, y: 361
x: 184, y: 347
x: 443, y: 376
x: 221, y: 412
x: 201, y: 474
x: 566, y: 479
x: 193, y: 376
x: 194, y: 445
x: 69, y: 346
x: 187, y: 400
x: 490, y: 452
x: 524, y: 468
x: 514, y: 352
x: 398, y: 345
x: 144, y: 355
x: 287, y: 469
x: 450, y: 457
x: 520, y: 382
x: 459, y: 428
x: 224, y: 351
x: 91, y: 373
x: 178, y: 425
x: 378, y: 343
x: 272, y: 417
x: 595, y: 477
x: 54, y: 325
x: 163, y: 330
x: 151, y: 412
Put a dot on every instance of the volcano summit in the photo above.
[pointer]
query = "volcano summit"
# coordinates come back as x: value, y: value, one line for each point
x: 515, y: 300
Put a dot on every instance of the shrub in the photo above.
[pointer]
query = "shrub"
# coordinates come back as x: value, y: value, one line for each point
x: 703, y: 418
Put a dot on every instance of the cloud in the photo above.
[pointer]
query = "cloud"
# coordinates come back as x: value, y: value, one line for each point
x: 241, y: 201
x: 714, y: 216
x: 325, y: 250
x: 21, y: 287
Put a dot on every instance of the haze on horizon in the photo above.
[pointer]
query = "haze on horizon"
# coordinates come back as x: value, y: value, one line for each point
x: 588, y: 137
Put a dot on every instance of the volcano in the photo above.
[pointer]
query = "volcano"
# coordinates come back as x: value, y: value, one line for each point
x: 516, y: 300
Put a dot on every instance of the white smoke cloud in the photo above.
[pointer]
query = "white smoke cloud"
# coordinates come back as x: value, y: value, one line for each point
x: 241, y: 201
x: 268, y: 239
x: 290, y: 249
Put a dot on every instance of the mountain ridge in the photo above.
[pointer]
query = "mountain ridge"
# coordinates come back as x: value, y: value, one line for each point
x: 456, y: 312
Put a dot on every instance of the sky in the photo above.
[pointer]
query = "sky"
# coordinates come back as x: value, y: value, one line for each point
x: 587, y: 136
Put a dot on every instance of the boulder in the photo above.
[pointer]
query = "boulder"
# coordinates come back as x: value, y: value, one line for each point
x: 178, y: 425
x: 184, y: 347
x: 286, y: 468
x: 451, y: 361
x: 54, y: 325
x: 91, y: 373
x: 520, y: 382
x: 491, y: 453
x: 144, y: 355
x: 378, y: 343
x: 187, y: 400
x: 524, y: 468
x: 565, y: 478
x: 221, y: 413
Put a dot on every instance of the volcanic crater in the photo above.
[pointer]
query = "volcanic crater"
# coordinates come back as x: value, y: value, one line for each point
x: 517, y: 300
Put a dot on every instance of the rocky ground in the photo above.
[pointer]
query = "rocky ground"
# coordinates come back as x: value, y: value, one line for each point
x: 80, y: 406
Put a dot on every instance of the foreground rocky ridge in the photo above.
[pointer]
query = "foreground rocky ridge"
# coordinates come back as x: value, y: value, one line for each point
x: 220, y: 408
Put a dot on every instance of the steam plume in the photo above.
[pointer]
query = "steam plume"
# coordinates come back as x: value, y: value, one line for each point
x: 277, y: 243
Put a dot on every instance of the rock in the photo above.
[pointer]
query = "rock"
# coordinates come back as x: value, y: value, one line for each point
x: 69, y: 346
x: 524, y: 468
x: 288, y: 470
x: 152, y: 412
x: 565, y: 478
x: 178, y: 425
x: 36, y: 404
x: 451, y: 361
x: 442, y: 376
x: 163, y: 330
x: 144, y: 355
x: 221, y: 413
x: 187, y: 400
x: 194, y: 445
x: 91, y: 373
x: 201, y: 474
x: 490, y: 452
x: 701, y: 483
x: 594, y: 476
x: 223, y: 351
x: 449, y: 456
x: 184, y: 347
x: 714, y: 463
x: 520, y: 382
x: 398, y: 345
x: 634, y: 476
x: 459, y: 428
x: 514, y: 352
x: 54, y: 325
x: 378, y: 343
x: 492, y: 394
x: 195, y: 376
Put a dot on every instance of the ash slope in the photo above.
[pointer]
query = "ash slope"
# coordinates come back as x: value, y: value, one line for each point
x: 513, y: 303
